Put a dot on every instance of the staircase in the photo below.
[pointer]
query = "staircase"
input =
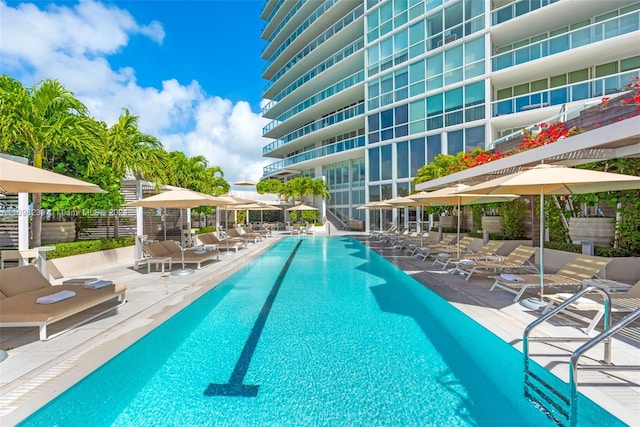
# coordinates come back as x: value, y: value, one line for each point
x: 335, y: 223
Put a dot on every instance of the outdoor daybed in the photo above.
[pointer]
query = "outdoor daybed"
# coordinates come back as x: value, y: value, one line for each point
x: 20, y: 288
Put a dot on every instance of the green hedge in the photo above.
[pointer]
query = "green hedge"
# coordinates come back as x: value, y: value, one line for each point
x: 208, y: 229
x: 88, y: 246
x: 603, y: 251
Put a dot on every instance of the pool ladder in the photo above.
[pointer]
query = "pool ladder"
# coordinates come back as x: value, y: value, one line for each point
x: 561, y: 408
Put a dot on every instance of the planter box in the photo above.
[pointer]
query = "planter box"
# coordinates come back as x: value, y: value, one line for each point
x: 78, y: 265
x: 597, y: 229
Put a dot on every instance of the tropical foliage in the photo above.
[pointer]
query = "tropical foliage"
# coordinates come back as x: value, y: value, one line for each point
x: 55, y: 130
x: 296, y: 189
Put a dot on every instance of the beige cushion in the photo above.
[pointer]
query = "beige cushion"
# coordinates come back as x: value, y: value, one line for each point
x: 171, y: 246
x: 156, y: 250
x: 18, y: 280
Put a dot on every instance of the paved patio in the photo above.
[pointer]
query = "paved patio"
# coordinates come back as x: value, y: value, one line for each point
x: 36, y: 371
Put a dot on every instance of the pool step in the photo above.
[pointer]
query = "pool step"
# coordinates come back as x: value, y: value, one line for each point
x: 547, y: 397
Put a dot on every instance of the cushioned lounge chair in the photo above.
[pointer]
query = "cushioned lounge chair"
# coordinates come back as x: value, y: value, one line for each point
x: 424, y: 251
x: 444, y: 253
x: 378, y: 235
x: 20, y: 288
x: 621, y: 302
x: 171, y: 249
x: 481, y: 254
x: 518, y: 260
x: 570, y: 276
x: 210, y: 239
x: 234, y: 234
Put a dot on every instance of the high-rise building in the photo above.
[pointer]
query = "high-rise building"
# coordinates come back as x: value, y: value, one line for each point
x: 366, y: 93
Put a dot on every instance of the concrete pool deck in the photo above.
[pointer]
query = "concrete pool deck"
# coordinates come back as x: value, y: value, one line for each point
x: 36, y: 371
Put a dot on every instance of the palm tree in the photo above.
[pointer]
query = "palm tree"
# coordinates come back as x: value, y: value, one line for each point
x: 319, y: 187
x: 41, y: 118
x: 298, y: 187
x: 129, y: 149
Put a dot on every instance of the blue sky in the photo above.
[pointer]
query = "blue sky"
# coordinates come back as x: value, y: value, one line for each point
x: 190, y: 69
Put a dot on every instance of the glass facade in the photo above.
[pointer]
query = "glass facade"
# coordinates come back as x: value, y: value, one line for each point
x: 402, y: 81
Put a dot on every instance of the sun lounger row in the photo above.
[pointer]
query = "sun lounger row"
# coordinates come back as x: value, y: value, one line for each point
x: 22, y: 287
x: 171, y: 251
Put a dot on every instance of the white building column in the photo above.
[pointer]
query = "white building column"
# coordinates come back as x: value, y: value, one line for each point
x: 23, y: 221
x: 139, y: 221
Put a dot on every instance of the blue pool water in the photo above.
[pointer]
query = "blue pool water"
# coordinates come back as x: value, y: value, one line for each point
x: 317, y: 331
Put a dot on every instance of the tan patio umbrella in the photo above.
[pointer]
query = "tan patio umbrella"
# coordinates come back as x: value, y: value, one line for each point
x: 555, y: 179
x: 232, y: 200
x: 182, y: 199
x: 457, y: 195
x: 244, y: 183
x: 302, y: 207
x: 257, y: 206
x: 380, y: 204
x: 21, y: 178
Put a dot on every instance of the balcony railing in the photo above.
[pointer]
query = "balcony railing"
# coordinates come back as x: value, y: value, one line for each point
x: 306, y: 24
x: 342, y: 85
x: 614, y: 27
x: 355, y: 14
x: 564, y: 94
x: 345, y: 53
x: 517, y: 8
x: 334, y: 118
x: 338, y: 147
x: 272, y: 13
x: 284, y: 21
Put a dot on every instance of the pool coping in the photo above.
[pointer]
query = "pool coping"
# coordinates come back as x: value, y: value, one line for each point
x: 70, y: 357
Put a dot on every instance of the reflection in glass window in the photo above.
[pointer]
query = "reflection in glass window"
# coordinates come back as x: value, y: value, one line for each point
x: 455, y: 142
x: 434, y: 146
x: 374, y: 164
x: 401, y: 114
x: 474, y: 138
x: 386, y: 165
x: 402, y: 160
x: 417, y: 155
x: 386, y: 119
x: 373, y: 122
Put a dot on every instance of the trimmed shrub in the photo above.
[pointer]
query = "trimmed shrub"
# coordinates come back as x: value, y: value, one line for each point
x: 207, y: 229
x: 87, y: 246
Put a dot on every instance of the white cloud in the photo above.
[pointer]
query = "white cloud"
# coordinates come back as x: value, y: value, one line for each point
x: 72, y: 44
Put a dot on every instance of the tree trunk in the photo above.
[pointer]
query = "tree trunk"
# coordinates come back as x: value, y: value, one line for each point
x: 36, y: 223
x: 116, y: 225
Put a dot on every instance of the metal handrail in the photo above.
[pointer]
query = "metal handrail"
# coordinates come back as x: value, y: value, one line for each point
x: 558, y: 309
x: 573, y: 363
x: 605, y: 337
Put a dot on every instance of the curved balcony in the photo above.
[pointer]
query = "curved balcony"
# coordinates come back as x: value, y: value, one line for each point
x: 342, y: 85
x: 324, y: 122
x: 614, y: 27
x: 283, y: 23
x: 315, y: 43
x: 338, y: 147
x: 301, y: 28
x: 565, y: 94
x: 516, y: 9
x: 343, y: 54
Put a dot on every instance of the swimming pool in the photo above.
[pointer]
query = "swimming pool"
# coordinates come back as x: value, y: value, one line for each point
x: 317, y: 331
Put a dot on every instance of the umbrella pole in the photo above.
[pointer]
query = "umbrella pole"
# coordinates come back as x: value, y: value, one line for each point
x: 541, y: 243
x: 458, y: 234
x: 183, y: 271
